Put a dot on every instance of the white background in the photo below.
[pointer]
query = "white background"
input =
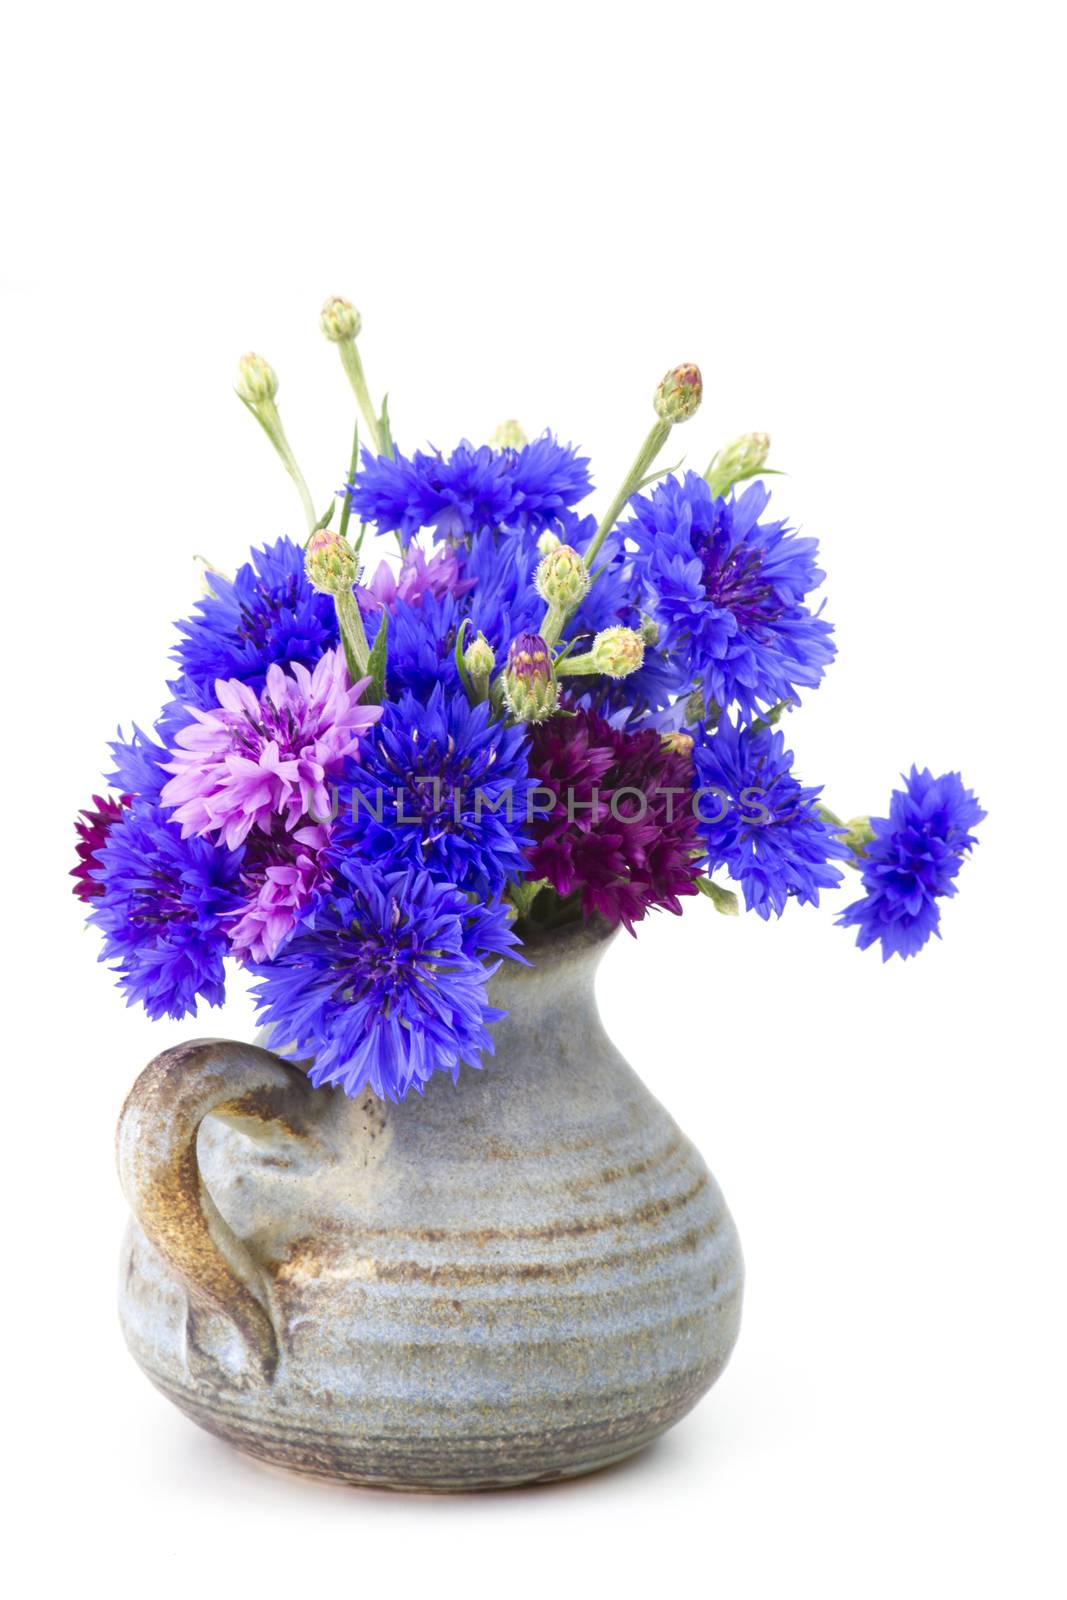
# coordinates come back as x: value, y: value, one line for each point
x: 849, y: 216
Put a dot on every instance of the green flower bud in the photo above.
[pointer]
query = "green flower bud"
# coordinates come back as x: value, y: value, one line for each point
x: 617, y: 652
x: 509, y: 436
x: 531, y: 692
x: 649, y: 629
x: 695, y: 708
x: 547, y: 543
x: 858, y: 835
x: 330, y: 563
x: 679, y: 394
x: 562, y: 578
x: 479, y: 658
x: 741, y: 458
x: 340, y: 321
x: 257, y: 380
x: 681, y: 743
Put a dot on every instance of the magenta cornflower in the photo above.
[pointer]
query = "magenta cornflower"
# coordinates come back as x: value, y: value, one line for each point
x: 92, y: 828
x: 620, y: 834
x: 259, y: 757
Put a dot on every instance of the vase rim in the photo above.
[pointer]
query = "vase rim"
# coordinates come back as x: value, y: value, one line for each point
x: 550, y: 945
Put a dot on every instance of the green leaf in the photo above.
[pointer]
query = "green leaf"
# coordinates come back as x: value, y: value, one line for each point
x: 376, y: 662
x: 346, y: 509
x: 569, y: 649
x: 524, y: 893
x: 654, y: 477
x: 324, y: 521
x: 461, y: 666
x: 773, y: 715
x: 724, y: 900
x: 384, y: 428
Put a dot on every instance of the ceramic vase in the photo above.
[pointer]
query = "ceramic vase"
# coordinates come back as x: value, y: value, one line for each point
x: 515, y: 1278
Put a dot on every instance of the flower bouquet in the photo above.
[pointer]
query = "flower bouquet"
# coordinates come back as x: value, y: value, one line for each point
x: 449, y: 727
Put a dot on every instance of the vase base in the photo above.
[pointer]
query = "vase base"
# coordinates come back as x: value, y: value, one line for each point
x: 543, y: 1480
x: 440, y: 1466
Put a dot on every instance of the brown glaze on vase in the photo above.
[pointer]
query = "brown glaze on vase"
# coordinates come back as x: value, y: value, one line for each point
x: 518, y: 1278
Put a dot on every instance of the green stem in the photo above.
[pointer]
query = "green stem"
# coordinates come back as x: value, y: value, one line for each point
x: 352, y: 635
x: 648, y: 452
x: 857, y: 833
x: 350, y: 360
x: 266, y: 414
x: 552, y: 624
x: 576, y: 666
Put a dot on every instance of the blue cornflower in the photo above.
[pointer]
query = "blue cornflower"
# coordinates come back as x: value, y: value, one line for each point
x: 912, y: 862
x: 138, y: 760
x: 440, y: 786
x: 728, y: 592
x: 475, y: 487
x: 389, y: 986
x: 758, y: 822
x: 501, y: 600
x: 164, y: 904
x: 268, y: 613
x: 421, y: 644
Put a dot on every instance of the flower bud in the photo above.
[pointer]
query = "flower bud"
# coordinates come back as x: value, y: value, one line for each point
x: 562, y: 578
x: 679, y: 393
x: 509, y: 436
x: 531, y: 692
x: 858, y: 835
x: 479, y: 658
x: 330, y: 563
x: 340, y: 321
x: 649, y: 629
x: 617, y: 652
x: 741, y: 458
x: 257, y: 380
x: 695, y: 708
x: 547, y: 543
x: 681, y: 743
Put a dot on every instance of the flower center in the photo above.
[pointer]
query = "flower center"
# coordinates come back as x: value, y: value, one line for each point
x: 159, y: 902
x: 257, y: 621
x: 734, y: 581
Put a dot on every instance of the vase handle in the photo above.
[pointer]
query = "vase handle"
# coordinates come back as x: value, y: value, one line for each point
x: 160, y: 1174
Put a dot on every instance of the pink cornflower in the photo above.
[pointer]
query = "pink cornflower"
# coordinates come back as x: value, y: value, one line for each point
x: 417, y: 576
x: 282, y: 872
x: 258, y: 757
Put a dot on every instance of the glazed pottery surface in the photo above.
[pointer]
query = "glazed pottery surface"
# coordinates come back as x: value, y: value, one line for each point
x: 518, y: 1278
